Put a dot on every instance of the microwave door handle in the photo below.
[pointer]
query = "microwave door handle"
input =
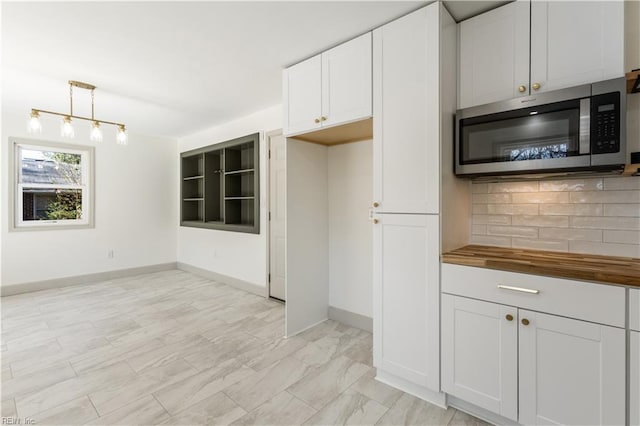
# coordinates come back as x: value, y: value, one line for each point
x: 585, y: 126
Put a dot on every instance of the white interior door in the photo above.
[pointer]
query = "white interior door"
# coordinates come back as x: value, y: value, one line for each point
x: 277, y: 215
x: 571, y: 372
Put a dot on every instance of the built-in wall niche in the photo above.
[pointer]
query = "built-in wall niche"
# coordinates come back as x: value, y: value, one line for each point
x: 220, y: 186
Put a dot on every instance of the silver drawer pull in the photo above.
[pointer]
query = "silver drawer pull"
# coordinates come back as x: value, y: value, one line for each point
x: 520, y: 289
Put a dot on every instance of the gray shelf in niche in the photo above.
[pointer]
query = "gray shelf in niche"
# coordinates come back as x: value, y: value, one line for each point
x: 220, y: 186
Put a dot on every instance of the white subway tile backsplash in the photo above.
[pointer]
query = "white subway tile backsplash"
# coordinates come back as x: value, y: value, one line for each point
x: 571, y: 209
x: 621, y: 197
x: 571, y: 185
x: 479, y: 229
x: 513, y: 231
x: 480, y: 209
x: 499, y: 198
x: 554, y: 245
x: 624, y: 237
x: 491, y: 219
x: 570, y: 234
x: 514, y: 187
x: 589, y: 215
x: 628, y: 210
x: 617, y: 183
x: 607, y: 249
x: 630, y: 223
x: 540, y: 197
x: 480, y: 188
x: 542, y: 221
x: 529, y: 209
x: 487, y: 240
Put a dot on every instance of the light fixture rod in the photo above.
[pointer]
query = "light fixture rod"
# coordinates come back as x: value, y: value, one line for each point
x: 71, y: 98
x: 77, y: 117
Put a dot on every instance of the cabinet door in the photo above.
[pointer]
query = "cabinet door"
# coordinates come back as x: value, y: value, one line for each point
x: 634, y: 374
x: 494, y: 55
x: 571, y: 372
x: 576, y: 42
x: 480, y: 353
x: 346, y: 82
x: 302, y: 96
x: 406, y: 297
x: 406, y: 150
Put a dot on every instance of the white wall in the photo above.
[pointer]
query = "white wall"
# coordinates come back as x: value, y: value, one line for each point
x: 135, y: 209
x: 350, y: 230
x: 234, y: 254
x: 307, y: 233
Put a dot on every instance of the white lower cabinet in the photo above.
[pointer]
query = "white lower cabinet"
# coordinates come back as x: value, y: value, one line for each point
x: 480, y: 354
x: 634, y: 375
x: 571, y: 372
x: 405, y: 297
x: 531, y: 367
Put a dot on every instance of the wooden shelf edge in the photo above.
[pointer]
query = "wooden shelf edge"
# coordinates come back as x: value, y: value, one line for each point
x: 631, y: 170
x: 632, y: 77
x: 356, y: 131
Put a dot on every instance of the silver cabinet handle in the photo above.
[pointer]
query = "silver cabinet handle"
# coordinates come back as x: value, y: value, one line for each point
x: 520, y: 289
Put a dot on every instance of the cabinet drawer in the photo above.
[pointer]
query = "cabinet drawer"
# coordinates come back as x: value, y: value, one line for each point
x: 598, y: 303
x: 634, y: 309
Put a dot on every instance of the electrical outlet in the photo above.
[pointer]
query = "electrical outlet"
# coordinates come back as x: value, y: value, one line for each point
x: 110, y: 254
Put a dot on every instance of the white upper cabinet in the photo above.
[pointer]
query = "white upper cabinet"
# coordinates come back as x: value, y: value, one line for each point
x: 302, y: 96
x: 571, y: 372
x: 329, y: 89
x: 346, y: 82
x: 574, y: 43
x: 406, y: 154
x: 527, y: 47
x: 494, y: 55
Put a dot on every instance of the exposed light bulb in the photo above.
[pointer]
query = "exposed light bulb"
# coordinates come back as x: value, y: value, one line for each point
x: 66, y: 130
x: 121, y: 137
x: 34, y: 125
x: 96, y: 133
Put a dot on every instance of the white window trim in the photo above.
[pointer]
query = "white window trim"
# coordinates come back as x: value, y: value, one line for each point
x: 16, y: 200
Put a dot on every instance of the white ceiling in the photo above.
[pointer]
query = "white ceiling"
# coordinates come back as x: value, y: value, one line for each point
x: 172, y: 68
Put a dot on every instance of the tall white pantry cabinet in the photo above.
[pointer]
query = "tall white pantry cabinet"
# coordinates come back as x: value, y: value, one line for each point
x: 407, y: 72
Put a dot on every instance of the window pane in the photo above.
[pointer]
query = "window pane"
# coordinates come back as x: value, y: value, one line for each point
x: 51, y: 204
x: 51, y: 167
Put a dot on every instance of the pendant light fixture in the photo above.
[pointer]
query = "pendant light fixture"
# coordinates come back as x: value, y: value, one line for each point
x: 66, y: 127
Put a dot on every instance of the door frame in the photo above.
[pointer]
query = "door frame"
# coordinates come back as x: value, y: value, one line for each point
x: 267, y: 136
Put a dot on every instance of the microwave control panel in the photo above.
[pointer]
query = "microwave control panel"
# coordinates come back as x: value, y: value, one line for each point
x: 605, y: 123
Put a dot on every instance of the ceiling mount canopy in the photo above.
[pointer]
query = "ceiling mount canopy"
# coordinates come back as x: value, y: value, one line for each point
x: 66, y: 128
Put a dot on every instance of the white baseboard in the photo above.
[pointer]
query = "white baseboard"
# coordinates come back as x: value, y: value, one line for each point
x: 13, y: 289
x: 233, y: 282
x: 436, y: 398
x: 351, y: 319
x: 286, y: 332
x: 481, y: 413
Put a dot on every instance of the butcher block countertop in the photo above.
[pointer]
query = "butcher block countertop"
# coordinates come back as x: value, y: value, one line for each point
x: 588, y: 267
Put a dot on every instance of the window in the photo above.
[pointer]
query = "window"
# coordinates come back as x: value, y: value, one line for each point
x: 53, y: 186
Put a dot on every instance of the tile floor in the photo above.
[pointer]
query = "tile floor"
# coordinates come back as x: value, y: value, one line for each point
x: 174, y: 348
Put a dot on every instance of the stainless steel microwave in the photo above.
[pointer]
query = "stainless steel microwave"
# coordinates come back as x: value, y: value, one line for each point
x: 581, y: 128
